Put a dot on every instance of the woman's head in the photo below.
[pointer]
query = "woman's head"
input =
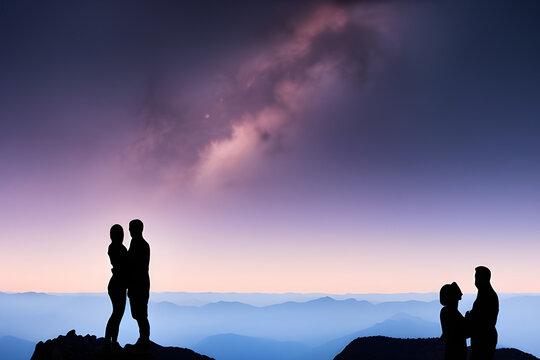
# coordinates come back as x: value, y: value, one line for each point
x: 450, y: 293
x: 117, y: 233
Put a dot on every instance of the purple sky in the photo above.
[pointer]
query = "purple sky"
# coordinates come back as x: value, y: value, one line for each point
x: 369, y: 146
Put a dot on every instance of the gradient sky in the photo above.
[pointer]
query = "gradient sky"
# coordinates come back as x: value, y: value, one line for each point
x: 329, y: 146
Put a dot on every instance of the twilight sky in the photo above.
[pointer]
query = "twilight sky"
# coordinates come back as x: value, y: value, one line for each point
x: 329, y: 146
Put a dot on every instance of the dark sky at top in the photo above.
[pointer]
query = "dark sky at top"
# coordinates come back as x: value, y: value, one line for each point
x: 462, y: 92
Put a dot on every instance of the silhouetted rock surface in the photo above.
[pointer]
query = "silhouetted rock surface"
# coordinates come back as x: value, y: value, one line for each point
x: 385, y: 348
x: 77, y: 347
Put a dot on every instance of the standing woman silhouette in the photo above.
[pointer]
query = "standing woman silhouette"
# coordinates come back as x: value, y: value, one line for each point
x: 117, y: 285
x: 453, y: 323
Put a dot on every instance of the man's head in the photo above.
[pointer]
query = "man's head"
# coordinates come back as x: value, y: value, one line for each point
x: 117, y: 233
x: 136, y: 228
x: 482, y: 277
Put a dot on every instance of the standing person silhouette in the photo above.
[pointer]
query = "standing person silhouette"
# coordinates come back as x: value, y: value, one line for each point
x: 139, y: 281
x: 483, y: 317
x: 117, y: 285
x: 453, y: 323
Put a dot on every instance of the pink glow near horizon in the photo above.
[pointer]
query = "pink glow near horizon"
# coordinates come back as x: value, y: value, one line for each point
x: 190, y: 259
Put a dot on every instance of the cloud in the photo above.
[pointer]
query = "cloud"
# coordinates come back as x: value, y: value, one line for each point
x: 224, y: 128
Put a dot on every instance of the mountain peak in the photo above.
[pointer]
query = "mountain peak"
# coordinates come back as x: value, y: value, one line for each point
x: 228, y: 305
x: 89, y: 347
x: 324, y: 299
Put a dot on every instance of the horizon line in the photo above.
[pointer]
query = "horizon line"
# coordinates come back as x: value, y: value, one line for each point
x: 254, y: 293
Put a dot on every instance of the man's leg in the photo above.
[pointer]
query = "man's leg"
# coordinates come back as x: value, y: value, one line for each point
x: 144, y: 329
x: 139, y: 311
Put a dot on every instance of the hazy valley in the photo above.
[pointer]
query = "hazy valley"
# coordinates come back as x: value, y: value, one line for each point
x: 313, y: 326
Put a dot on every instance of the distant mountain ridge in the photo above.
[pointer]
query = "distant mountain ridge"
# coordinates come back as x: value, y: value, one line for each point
x: 254, y: 299
x: 13, y: 348
x: 239, y: 347
x: 400, y: 325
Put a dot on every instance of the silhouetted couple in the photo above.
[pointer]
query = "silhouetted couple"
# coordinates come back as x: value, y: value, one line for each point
x: 129, y: 273
x: 478, y: 324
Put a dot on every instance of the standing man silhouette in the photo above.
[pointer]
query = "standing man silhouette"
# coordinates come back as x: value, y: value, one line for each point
x: 483, y: 317
x: 139, y: 281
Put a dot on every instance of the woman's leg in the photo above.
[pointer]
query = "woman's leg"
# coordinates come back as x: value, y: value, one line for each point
x: 108, y: 328
x: 118, y: 299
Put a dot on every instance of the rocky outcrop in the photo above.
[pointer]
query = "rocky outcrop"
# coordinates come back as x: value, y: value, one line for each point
x: 385, y: 348
x: 89, y: 347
